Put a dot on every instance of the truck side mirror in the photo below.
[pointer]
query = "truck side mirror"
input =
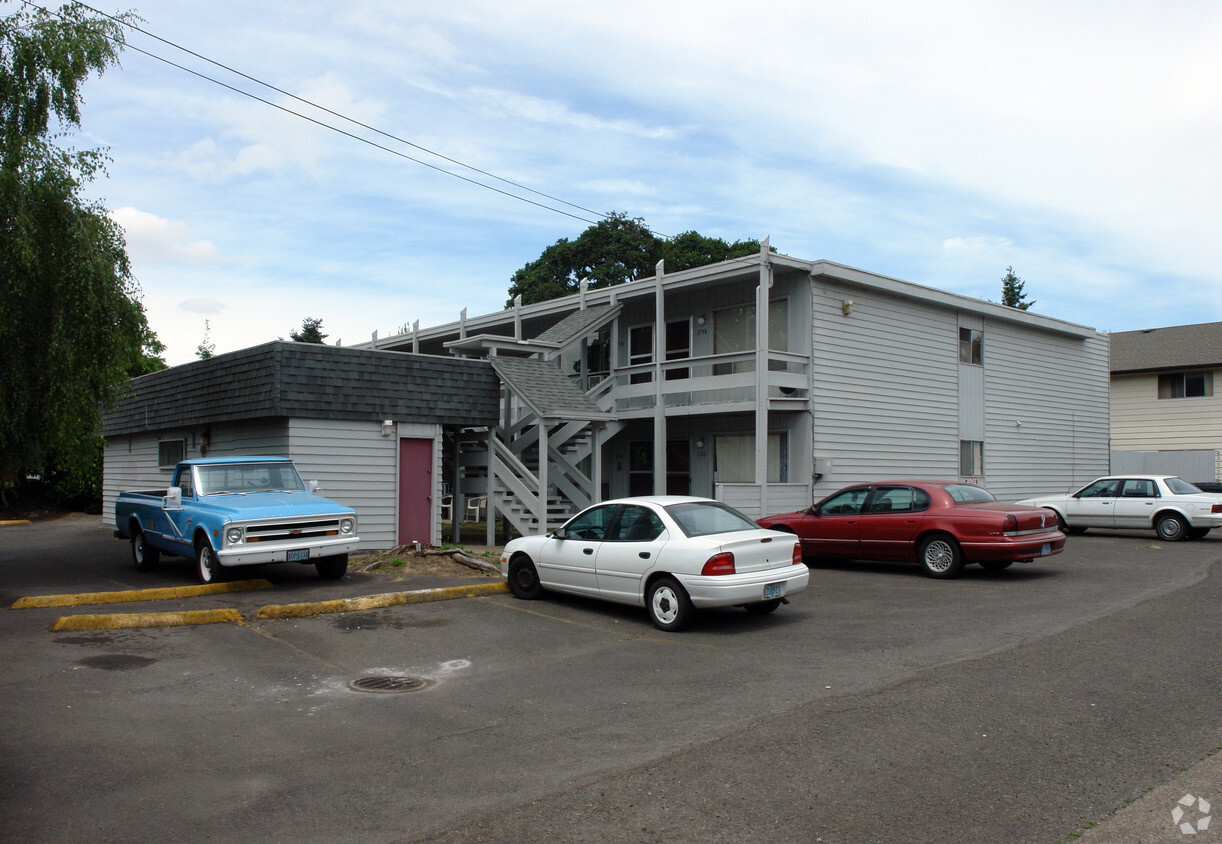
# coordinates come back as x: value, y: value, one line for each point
x: 312, y: 486
x: 173, y: 497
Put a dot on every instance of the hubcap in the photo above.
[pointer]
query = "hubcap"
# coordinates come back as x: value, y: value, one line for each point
x: 665, y: 605
x: 1170, y: 528
x: 938, y: 556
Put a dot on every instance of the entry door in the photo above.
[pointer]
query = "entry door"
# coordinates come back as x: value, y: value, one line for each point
x: 415, y: 491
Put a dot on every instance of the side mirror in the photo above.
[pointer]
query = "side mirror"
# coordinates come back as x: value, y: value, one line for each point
x: 173, y: 497
x: 558, y: 533
x: 312, y: 486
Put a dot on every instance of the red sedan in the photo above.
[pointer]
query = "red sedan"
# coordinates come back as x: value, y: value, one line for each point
x: 940, y: 524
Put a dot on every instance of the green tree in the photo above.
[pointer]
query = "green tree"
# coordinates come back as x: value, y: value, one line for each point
x: 206, y: 347
x: 613, y: 251
x: 1012, y: 291
x: 311, y: 331
x: 71, y: 325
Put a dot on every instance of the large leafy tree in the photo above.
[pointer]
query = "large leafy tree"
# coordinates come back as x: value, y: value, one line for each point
x: 71, y: 325
x: 1012, y: 291
x: 613, y: 251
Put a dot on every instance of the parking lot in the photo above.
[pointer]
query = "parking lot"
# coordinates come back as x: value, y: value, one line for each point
x: 879, y: 705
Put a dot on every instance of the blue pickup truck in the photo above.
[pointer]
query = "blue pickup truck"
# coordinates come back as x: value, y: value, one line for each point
x: 237, y: 511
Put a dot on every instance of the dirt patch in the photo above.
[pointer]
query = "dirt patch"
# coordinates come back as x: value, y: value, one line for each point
x: 405, y: 560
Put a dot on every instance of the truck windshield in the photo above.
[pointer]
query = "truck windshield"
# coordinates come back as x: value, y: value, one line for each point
x: 246, y: 478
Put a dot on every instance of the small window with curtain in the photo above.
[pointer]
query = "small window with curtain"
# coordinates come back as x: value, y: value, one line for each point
x: 170, y: 452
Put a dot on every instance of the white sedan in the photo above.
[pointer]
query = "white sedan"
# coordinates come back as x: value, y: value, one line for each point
x: 670, y: 554
x: 1173, y: 507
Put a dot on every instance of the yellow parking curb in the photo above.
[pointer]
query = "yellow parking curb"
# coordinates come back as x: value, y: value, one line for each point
x: 374, y: 602
x: 118, y: 621
x: 14, y: 522
x: 134, y: 595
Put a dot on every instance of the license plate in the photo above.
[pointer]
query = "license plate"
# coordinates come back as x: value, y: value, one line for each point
x: 1046, y: 550
x: 773, y: 590
x: 295, y: 556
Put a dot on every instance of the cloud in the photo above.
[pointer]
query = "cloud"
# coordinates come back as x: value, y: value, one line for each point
x: 977, y: 244
x: 202, y: 306
x: 153, y: 239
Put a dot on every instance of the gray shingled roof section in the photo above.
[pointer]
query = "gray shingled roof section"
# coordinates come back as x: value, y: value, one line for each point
x: 573, y: 325
x: 546, y: 388
x: 309, y: 381
x: 1177, y: 347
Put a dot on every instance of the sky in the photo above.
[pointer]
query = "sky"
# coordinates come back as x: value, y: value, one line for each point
x: 937, y: 142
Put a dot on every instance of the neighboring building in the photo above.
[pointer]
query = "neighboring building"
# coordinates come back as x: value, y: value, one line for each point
x: 368, y: 426
x: 1165, y: 414
x: 766, y: 381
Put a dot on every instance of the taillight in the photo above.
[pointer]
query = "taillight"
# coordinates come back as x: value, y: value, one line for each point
x: 1011, y: 524
x: 1217, y: 508
x: 722, y: 563
x: 797, y: 554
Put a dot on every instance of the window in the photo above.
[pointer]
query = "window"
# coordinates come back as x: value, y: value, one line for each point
x: 899, y: 499
x: 971, y: 458
x: 971, y: 346
x: 637, y: 524
x: 592, y: 524
x: 1138, y: 488
x: 1104, y: 488
x: 704, y: 518
x: 734, y: 331
x: 848, y: 502
x: 640, y: 351
x: 170, y: 452
x: 1185, y: 385
x: 734, y: 459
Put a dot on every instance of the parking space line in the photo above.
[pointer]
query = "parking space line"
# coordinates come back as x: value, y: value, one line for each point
x: 135, y: 595
x: 374, y: 602
x: 119, y: 621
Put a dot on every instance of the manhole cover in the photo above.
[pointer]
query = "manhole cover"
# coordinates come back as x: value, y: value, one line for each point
x: 389, y: 684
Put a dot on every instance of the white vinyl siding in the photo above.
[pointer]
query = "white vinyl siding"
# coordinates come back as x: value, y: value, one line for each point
x: 1057, y: 388
x: 885, y: 388
x: 1141, y: 421
x: 355, y: 466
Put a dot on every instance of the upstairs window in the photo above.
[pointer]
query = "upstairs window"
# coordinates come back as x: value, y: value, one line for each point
x: 1185, y: 385
x: 971, y: 346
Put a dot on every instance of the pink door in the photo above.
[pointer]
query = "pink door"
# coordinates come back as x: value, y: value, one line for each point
x: 415, y: 489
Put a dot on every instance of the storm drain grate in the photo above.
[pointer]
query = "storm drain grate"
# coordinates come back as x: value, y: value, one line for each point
x: 389, y: 684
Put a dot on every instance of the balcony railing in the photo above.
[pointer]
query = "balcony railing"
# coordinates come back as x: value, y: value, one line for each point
x: 713, y: 379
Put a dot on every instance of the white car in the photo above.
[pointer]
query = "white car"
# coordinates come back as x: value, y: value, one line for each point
x: 670, y: 554
x: 1164, y: 503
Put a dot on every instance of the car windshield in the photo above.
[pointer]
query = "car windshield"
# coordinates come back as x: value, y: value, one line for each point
x: 968, y: 494
x: 702, y: 518
x: 246, y: 478
x: 1181, y: 487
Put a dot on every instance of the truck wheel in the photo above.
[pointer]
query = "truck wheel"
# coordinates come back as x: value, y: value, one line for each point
x: 332, y: 568
x: 144, y: 556
x: 206, y: 562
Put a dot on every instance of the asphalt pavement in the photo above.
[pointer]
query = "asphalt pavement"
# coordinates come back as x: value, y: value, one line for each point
x: 1077, y: 696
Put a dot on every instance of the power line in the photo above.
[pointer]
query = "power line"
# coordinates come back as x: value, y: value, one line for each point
x: 127, y: 45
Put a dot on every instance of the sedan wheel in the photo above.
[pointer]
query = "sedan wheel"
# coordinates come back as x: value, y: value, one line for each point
x: 208, y: 565
x: 1171, y: 527
x: 940, y: 556
x: 668, y: 604
x: 523, y: 579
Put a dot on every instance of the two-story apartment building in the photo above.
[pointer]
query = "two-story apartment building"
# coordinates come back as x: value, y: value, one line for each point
x: 767, y: 381
x: 764, y: 381
x: 1166, y: 416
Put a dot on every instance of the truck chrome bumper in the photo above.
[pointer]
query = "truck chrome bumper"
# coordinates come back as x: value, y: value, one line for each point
x: 247, y: 555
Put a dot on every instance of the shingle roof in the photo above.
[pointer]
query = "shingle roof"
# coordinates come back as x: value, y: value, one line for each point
x: 305, y: 380
x: 546, y: 389
x: 1177, y: 347
x: 575, y: 324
